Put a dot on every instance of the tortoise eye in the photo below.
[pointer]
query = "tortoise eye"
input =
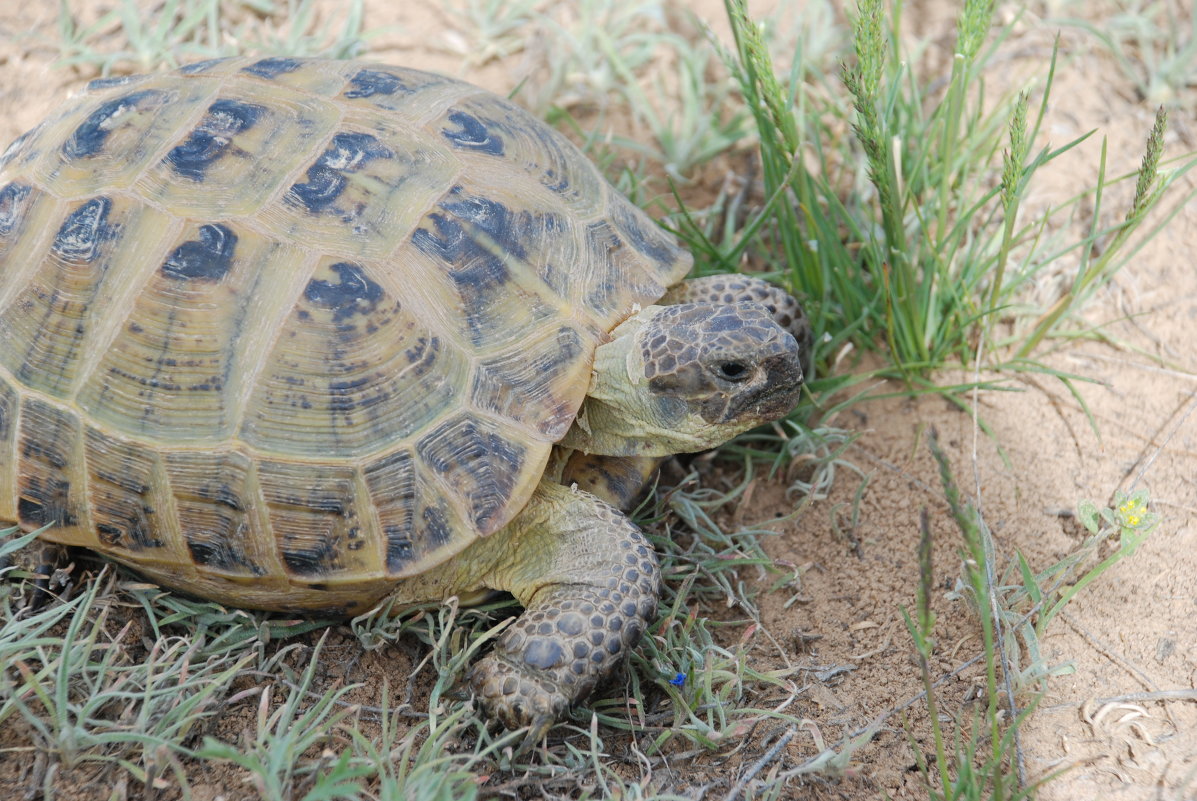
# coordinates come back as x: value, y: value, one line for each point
x: 732, y: 371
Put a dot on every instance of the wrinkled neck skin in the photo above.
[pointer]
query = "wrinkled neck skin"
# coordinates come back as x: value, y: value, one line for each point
x: 622, y: 417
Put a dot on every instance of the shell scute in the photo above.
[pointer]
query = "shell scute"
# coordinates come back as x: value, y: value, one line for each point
x: 418, y: 525
x: 507, y: 262
x: 353, y: 370
x: 479, y: 463
x: 48, y: 321
x: 176, y: 361
x: 612, y: 271
x: 495, y: 134
x: 91, y: 135
x: 215, y: 494
x: 237, y: 155
x: 50, y: 484
x: 546, y: 369
x: 315, y: 517
x: 108, y: 140
x: 362, y: 194
x: 125, y: 490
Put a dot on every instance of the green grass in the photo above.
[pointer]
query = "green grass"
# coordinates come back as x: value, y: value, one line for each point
x: 140, y: 37
x: 125, y: 678
x: 926, y: 253
x: 978, y: 755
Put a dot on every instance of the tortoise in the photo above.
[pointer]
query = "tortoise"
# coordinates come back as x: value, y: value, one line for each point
x: 311, y: 335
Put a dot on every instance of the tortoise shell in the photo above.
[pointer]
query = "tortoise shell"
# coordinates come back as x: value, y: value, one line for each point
x: 282, y: 331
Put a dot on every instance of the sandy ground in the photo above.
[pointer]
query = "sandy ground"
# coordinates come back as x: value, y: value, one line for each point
x: 1133, y: 632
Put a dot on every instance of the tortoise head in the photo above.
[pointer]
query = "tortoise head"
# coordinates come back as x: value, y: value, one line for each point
x: 677, y: 379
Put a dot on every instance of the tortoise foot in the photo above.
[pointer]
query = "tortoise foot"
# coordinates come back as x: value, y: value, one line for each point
x: 558, y: 651
x: 518, y: 697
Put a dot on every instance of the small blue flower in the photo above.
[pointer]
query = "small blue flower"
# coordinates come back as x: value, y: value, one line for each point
x: 679, y: 680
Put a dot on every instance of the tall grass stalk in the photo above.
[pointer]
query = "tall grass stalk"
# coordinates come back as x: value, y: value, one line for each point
x: 1092, y: 272
x: 927, y: 255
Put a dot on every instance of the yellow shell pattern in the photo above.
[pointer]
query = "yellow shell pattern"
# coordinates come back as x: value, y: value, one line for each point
x: 280, y: 332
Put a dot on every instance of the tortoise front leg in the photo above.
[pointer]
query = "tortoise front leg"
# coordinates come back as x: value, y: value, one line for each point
x: 589, y: 582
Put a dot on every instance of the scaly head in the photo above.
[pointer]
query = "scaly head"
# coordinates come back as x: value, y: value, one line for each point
x: 678, y: 379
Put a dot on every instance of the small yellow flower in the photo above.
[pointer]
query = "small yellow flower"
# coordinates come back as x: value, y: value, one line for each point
x: 1132, y: 520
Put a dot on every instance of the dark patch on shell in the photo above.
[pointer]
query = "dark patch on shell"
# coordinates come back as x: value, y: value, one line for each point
x: 367, y: 83
x: 45, y: 504
x: 208, y: 258
x: 472, y: 135
x: 271, y: 68
x: 201, y: 66
x: 83, y: 231
x: 111, y: 82
x: 400, y: 550
x: 21, y: 145
x: 435, y: 531
x: 346, y: 154
x: 119, y: 479
x: 355, y: 293
x: 310, y: 560
x: 219, y: 553
x: 136, y: 535
x: 481, y: 465
x: 210, y: 140
x: 12, y: 206
x: 474, y: 236
x: 88, y: 139
x: 392, y: 486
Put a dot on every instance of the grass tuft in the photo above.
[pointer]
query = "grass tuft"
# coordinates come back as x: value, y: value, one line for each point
x: 133, y: 36
x: 932, y: 252
x: 1154, y: 44
x: 980, y: 757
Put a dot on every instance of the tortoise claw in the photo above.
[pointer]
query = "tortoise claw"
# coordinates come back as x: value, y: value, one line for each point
x: 517, y: 697
x: 537, y: 729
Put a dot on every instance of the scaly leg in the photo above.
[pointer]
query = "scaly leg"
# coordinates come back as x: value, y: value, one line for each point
x: 589, y: 583
x: 47, y: 562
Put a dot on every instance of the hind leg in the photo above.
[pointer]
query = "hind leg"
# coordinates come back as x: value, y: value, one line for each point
x: 44, y: 563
